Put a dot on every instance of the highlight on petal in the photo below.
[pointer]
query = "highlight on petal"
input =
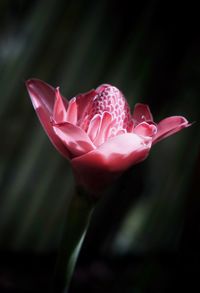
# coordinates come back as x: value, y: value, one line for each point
x: 98, y: 168
x: 43, y: 97
x: 122, y: 151
x: 169, y: 126
x: 145, y: 129
x: 142, y: 113
x: 74, y: 138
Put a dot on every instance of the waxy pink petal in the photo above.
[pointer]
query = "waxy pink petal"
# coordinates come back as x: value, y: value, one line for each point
x: 43, y: 99
x: 145, y: 129
x: 42, y: 94
x: 104, y: 127
x: 142, y: 113
x: 93, y: 127
x: 72, y: 112
x: 169, y: 126
x: 74, y: 138
x: 61, y: 113
x: 99, y: 167
x: 83, y: 103
x: 59, y: 109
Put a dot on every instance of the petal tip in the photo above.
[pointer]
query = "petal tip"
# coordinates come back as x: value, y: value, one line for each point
x: 142, y: 113
x: 169, y: 126
x: 29, y: 82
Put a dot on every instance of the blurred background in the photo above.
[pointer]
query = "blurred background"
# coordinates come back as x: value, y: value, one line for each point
x: 144, y: 235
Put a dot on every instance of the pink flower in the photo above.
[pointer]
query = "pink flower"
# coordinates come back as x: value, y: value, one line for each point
x: 97, y: 132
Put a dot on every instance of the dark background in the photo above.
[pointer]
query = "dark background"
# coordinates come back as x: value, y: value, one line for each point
x: 144, y: 235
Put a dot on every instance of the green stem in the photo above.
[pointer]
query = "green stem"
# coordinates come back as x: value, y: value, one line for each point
x: 77, y: 220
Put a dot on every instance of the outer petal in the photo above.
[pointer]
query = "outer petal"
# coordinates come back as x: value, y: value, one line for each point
x: 99, y: 167
x: 74, y: 138
x: 169, y: 126
x: 43, y: 96
x: 145, y: 129
x: 142, y: 113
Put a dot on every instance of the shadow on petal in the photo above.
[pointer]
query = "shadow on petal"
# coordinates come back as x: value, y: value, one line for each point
x: 74, y: 138
x: 100, y: 167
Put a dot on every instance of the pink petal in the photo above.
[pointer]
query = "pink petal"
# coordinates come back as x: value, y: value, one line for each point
x: 61, y: 113
x: 142, y: 113
x: 145, y: 129
x: 109, y: 132
x: 93, y: 127
x: 74, y: 138
x: 59, y: 109
x: 169, y: 126
x: 72, y: 112
x: 43, y: 96
x: 83, y: 103
x: 103, y: 128
x: 100, y: 167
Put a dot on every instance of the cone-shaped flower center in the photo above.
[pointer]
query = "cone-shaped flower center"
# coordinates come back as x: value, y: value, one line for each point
x: 110, y: 99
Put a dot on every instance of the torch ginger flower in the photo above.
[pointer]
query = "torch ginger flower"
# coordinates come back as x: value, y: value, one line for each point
x: 97, y: 132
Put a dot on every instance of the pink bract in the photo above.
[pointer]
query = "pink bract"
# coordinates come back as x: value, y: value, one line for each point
x: 97, y: 132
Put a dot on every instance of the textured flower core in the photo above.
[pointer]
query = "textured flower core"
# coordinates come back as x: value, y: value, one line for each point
x: 109, y: 99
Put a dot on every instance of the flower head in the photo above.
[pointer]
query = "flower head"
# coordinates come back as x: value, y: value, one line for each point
x: 97, y: 132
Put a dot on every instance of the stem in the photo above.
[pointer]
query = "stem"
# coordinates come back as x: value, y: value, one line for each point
x: 77, y: 220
